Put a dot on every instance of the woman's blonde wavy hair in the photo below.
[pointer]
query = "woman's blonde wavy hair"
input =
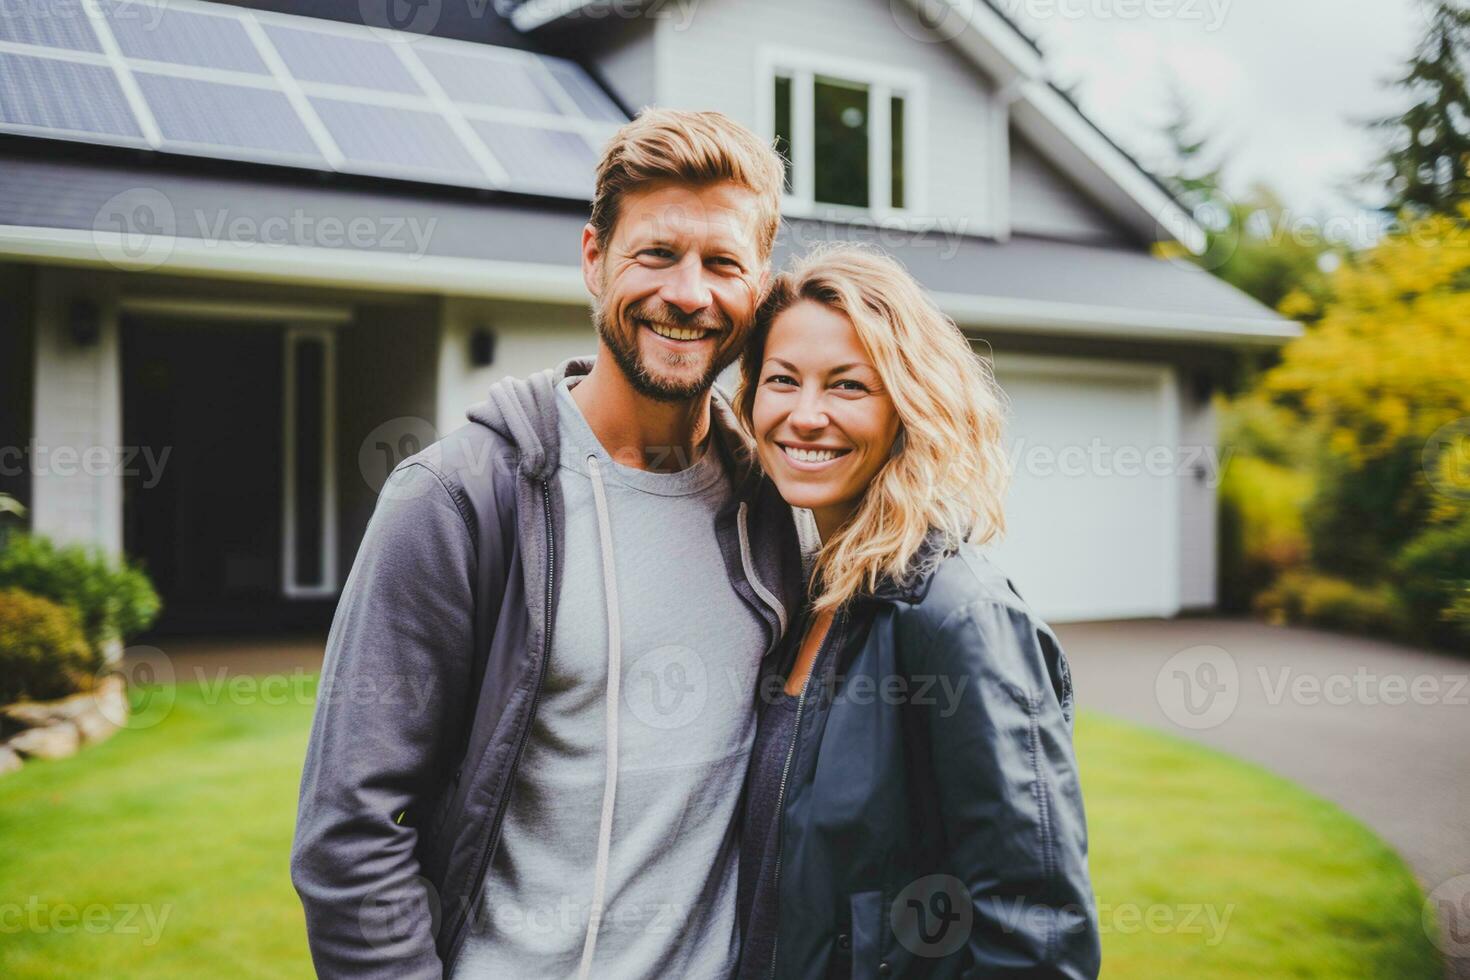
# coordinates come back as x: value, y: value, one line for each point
x: 948, y: 470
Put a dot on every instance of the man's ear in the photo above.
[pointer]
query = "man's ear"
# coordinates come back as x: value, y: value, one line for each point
x: 591, y: 261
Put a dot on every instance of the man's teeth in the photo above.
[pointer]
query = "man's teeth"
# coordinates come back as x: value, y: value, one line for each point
x: 675, y: 333
x: 811, y: 455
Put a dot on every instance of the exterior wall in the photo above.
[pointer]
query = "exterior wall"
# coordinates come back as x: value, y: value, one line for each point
x: 623, y: 56
x: 712, y: 62
x: 1043, y: 202
x: 530, y: 337
x: 1198, y: 500
x: 76, y: 486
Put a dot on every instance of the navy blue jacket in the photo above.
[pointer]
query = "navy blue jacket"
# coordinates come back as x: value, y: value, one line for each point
x: 932, y: 823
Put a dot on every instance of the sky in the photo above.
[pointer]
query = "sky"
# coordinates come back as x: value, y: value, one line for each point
x: 1279, y: 83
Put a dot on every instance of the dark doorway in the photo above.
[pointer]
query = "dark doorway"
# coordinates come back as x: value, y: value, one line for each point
x: 206, y: 519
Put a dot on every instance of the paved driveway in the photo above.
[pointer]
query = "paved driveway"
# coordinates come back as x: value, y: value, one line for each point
x: 1383, y: 730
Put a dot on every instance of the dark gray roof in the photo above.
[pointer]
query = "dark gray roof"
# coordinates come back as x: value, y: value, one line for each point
x: 1051, y: 283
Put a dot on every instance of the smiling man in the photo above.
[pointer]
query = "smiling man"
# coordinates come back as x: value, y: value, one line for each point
x: 579, y: 586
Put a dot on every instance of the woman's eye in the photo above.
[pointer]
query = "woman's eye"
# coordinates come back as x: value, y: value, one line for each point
x: 847, y: 384
x: 780, y: 379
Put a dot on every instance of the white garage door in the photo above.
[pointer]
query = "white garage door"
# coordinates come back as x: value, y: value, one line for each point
x: 1092, y: 517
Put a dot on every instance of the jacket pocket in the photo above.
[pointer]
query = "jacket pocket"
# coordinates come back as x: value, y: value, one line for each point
x: 867, y: 928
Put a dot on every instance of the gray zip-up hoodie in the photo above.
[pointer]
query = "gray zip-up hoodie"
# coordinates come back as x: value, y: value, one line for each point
x: 434, y: 664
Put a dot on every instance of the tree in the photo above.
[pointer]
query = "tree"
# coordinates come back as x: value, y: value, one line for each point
x: 1255, y: 243
x: 1427, y: 166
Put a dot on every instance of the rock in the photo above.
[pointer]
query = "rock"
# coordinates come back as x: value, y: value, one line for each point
x: 9, y: 760
x: 94, y: 725
x: 52, y: 742
x: 111, y: 699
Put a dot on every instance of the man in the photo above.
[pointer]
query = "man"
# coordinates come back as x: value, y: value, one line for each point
x: 538, y: 699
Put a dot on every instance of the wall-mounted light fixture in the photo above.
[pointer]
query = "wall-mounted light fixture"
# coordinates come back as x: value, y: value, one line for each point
x: 84, y: 323
x: 482, y: 347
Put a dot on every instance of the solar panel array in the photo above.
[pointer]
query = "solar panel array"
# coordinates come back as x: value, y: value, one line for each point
x: 215, y: 80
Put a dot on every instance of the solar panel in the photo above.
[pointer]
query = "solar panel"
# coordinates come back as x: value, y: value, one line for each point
x: 544, y: 159
x: 317, y: 56
x: 591, y: 99
x: 397, y: 138
x: 192, y: 111
x: 51, y: 23
x: 64, y: 96
x: 211, y: 90
x: 180, y: 37
x: 489, y: 80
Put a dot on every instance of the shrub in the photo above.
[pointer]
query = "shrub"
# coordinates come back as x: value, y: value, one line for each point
x: 1433, y: 572
x: 43, y: 653
x: 113, y: 599
x: 1321, y: 600
x: 1261, y: 529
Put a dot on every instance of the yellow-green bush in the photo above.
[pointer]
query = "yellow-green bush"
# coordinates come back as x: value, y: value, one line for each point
x: 43, y: 652
x: 1322, y: 600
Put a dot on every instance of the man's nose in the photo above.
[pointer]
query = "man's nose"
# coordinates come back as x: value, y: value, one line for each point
x: 685, y: 287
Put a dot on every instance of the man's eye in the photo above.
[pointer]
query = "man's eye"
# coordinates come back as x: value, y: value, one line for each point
x: 657, y: 253
x: 725, y: 260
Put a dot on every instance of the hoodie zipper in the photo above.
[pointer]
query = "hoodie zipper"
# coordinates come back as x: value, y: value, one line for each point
x: 493, y: 841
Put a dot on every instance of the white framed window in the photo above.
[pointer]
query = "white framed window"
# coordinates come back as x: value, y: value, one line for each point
x: 851, y: 132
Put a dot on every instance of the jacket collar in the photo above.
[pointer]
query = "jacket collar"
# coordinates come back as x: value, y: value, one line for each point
x: 911, y: 588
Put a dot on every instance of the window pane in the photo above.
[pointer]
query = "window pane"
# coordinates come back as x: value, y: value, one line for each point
x: 840, y: 138
x: 310, y: 474
x: 895, y: 116
x: 783, y: 125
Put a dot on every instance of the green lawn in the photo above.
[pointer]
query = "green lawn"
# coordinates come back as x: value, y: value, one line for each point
x: 163, y: 853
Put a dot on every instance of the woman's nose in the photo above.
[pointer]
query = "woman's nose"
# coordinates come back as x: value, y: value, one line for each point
x: 809, y: 412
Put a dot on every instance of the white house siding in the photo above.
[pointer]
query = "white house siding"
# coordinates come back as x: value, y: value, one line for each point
x: 1043, y: 202
x: 711, y: 62
x: 76, y: 488
x: 530, y: 337
x: 624, y: 58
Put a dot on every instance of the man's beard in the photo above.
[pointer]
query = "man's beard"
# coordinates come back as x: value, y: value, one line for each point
x: 625, y: 351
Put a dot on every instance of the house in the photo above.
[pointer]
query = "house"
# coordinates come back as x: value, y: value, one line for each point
x: 254, y: 254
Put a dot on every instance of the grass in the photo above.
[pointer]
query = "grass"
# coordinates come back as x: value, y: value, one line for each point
x: 174, y: 839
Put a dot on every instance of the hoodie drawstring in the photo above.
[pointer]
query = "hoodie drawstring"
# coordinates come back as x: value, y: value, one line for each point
x: 614, y: 684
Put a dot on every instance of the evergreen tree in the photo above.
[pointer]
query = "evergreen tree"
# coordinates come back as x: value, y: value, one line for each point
x: 1427, y: 166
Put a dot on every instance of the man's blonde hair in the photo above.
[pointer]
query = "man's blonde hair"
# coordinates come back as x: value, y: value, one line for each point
x: 676, y: 146
x: 948, y: 469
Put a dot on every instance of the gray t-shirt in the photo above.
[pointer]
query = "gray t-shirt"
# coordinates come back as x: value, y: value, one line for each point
x: 691, y: 653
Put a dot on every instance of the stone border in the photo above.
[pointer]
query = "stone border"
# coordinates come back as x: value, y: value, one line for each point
x: 57, y: 729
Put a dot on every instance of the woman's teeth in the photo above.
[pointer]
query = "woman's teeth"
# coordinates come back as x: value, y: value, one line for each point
x: 675, y: 333
x: 811, y: 455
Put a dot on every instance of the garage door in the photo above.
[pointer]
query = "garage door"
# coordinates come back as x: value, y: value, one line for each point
x: 1092, y: 519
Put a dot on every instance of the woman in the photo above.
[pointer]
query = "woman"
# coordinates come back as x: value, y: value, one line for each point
x: 913, y: 807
